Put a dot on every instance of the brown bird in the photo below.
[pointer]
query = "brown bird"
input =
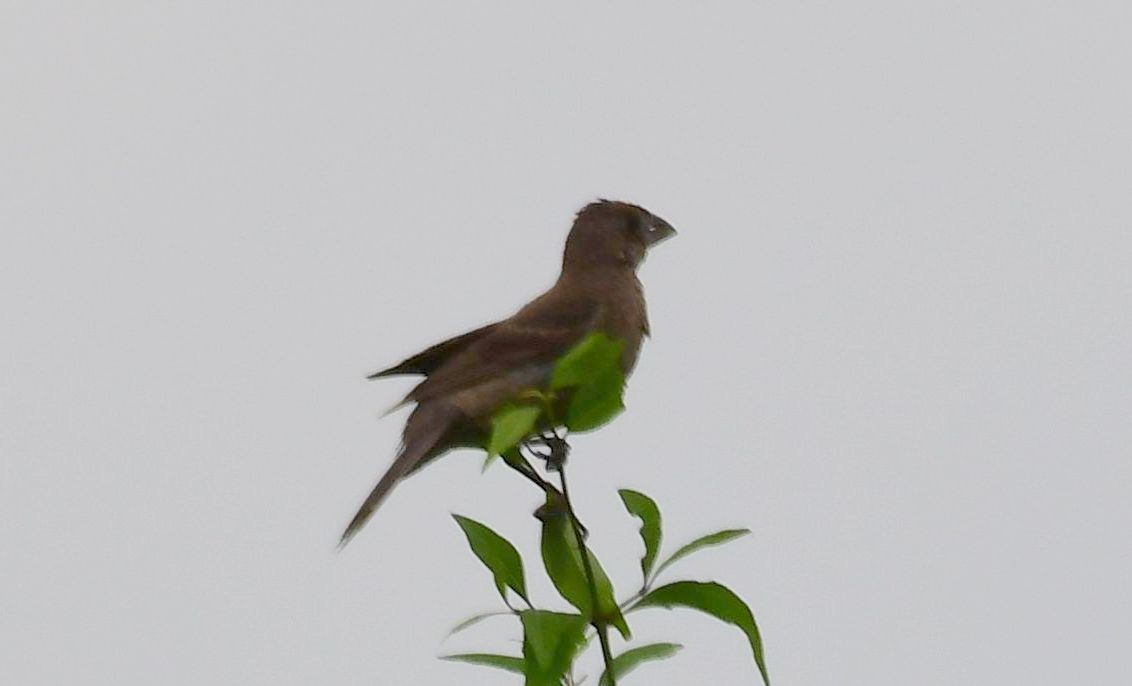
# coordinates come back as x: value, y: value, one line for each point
x: 470, y: 376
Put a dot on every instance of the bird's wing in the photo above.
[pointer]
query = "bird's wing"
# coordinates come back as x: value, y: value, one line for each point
x: 535, y: 337
x: 428, y: 360
x: 500, y: 362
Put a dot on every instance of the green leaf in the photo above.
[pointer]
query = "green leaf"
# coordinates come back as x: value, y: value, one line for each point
x: 562, y: 558
x: 592, y: 370
x: 718, y: 538
x: 509, y: 426
x: 631, y: 659
x: 597, y: 402
x: 511, y: 456
x: 585, y: 361
x: 476, y: 619
x: 550, y: 642
x: 505, y: 662
x: 644, y: 508
x: 716, y: 600
x: 497, y: 554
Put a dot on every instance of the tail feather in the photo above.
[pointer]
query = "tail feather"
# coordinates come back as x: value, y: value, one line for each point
x: 423, y: 431
x: 398, y: 469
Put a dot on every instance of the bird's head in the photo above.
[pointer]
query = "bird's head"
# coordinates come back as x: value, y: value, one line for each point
x: 610, y: 233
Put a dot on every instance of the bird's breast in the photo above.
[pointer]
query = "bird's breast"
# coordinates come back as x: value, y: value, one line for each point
x: 627, y: 321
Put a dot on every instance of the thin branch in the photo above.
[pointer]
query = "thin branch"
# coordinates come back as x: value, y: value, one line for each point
x: 555, y: 458
x: 558, y: 450
x: 525, y: 468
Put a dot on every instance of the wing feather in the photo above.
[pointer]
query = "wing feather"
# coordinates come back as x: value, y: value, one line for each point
x: 535, y: 337
x: 429, y: 359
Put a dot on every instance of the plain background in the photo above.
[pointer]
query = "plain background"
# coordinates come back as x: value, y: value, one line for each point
x: 893, y: 336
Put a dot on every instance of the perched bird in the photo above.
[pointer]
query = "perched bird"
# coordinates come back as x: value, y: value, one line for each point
x: 467, y: 378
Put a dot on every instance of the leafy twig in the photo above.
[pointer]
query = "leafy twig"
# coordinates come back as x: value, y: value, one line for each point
x: 559, y: 449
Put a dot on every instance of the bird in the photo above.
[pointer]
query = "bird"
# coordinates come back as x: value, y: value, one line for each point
x: 470, y: 376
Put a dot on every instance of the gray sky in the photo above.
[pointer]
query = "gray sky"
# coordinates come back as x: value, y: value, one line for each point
x: 892, y: 337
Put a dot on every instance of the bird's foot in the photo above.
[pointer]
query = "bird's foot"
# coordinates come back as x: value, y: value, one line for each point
x: 557, y: 450
x: 550, y: 448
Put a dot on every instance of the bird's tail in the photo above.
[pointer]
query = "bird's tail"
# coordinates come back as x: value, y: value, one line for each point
x: 423, y: 431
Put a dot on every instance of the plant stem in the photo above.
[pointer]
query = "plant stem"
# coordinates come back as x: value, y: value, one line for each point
x: 599, y: 626
x: 525, y: 468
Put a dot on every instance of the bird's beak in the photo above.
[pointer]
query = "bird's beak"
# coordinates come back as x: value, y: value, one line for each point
x: 658, y: 231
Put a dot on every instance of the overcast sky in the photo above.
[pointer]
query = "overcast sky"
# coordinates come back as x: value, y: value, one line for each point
x: 892, y: 338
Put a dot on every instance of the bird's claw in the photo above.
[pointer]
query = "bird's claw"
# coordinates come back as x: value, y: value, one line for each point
x: 559, y: 450
x: 555, y: 453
